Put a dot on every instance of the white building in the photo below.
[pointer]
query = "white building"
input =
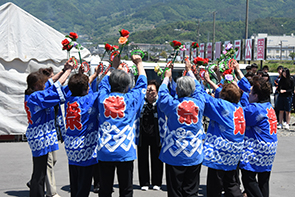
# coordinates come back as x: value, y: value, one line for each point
x: 278, y: 47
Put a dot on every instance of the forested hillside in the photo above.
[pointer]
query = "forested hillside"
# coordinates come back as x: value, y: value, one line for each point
x: 187, y: 30
x: 100, y: 20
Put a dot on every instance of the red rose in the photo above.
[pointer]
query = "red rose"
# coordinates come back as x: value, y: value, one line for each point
x: 124, y: 33
x: 197, y: 60
x: 226, y: 72
x: 206, y: 61
x: 66, y: 45
x: 65, y: 42
x: 175, y: 44
x: 195, y: 45
x: 108, y: 47
x: 73, y: 35
x: 116, y: 47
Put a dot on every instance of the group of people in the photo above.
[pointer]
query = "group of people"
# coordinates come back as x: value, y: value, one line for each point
x: 284, y: 91
x: 105, y: 120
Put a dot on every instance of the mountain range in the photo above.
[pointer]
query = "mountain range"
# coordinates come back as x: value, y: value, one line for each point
x: 100, y: 20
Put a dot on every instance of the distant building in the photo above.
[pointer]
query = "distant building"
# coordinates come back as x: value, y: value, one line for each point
x: 278, y: 47
x: 148, y: 47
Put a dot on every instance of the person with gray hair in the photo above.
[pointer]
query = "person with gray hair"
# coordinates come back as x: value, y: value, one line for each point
x: 118, y: 107
x: 119, y: 81
x: 182, y: 148
x: 185, y: 86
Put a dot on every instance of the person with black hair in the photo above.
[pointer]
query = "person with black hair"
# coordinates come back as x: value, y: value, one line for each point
x: 265, y: 69
x: 254, y: 68
x: 265, y: 76
x: 259, y: 73
x: 286, y: 90
x: 149, y: 138
x: 248, y: 69
x: 276, y: 94
x: 249, y: 76
x: 40, y: 100
x: 81, y: 136
x: 224, y: 140
x: 260, y: 143
x: 59, y: 125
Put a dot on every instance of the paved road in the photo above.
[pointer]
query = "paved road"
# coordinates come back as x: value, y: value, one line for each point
x: 16, y: 169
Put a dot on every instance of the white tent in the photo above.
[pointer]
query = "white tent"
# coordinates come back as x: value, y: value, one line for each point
x: 26, y: 45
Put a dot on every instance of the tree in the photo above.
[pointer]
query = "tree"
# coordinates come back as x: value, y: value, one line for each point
x: 163, y: 54
x: 292, y: 55
x: 125, y: 57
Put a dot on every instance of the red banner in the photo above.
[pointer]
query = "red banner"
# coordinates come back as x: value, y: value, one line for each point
x: 260, y: 48
x: 238, y: 44
x: 202, y: 50
x: 218, y: 50
x: 209, y: 50
x: 248, y: 49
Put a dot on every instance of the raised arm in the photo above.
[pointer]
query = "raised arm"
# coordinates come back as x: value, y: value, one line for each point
x: 188, y: 68
x: 57, y: 75
x: 68, y: 67
x: 95, y: 74
x: 138, y: 62
x: 237, y: 69
x: 208, y: 80
x: 243, y: 83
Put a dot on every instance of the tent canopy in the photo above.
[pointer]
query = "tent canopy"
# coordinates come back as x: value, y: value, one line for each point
x: 27, y: 44
x: 25, y: 37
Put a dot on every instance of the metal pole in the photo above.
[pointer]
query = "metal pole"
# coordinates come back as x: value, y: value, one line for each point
x: 246, y: 22
x: 281, y: 43
x: 198, y: 37
x: 213, y: 41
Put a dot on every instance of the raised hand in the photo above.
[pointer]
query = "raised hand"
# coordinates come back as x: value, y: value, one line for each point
x: 136, y: 59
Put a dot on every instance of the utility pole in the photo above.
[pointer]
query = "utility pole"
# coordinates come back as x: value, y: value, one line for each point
x: 281, y: 43
x: 198, y: 36
x: 246, y: 22
x: 213, y: 41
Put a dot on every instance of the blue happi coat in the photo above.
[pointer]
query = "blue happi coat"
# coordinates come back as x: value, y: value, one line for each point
x: 182, y: 140
x: 81, y: 137
x: 261, y: 135
x: 118, y: 112
x: 224, y: 141
x: 41, y: 132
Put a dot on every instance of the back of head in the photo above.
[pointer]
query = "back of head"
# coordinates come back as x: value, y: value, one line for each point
x: 287, y: 71
x: 254, y: 65
x: 262, y: 88
x: 119, y: 81
x: 78, y: 84
x: 265, y: 68
x: 35, y: 80
x: 266, y: 76
x: 249, y: 74
x: 230, y: 92
x: 260, y: 72
x: 46, y: 71
x: 185, y: 86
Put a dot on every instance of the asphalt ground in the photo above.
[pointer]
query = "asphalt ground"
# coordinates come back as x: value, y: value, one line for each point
x: 16, y: 169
